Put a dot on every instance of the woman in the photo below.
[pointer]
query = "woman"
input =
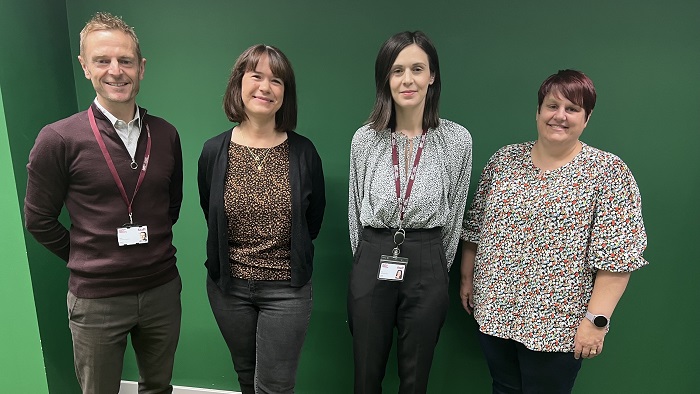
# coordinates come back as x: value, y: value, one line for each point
x: 262, y: 192
x: 409, y: 176
x: 552, y: 235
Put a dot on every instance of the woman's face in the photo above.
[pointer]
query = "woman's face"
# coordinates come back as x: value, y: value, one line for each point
x: 559, y: 120
x: 261, y: 91
x: 410, y: 77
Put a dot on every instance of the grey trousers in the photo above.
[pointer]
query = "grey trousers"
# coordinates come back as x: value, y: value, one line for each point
x: 100, y: 326
x: 264, y: 324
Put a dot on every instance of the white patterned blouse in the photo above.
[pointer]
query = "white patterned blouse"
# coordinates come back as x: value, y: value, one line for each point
x: 439, y: 194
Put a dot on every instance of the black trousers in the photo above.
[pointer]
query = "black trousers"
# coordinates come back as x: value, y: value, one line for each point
x: 516, y: 369
x: 417, y: 307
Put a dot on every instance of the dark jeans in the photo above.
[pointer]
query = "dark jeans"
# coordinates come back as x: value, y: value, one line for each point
x: 99, y: 327
x: 517, y: 369
x: 264, y: 324
x: 417, y: 307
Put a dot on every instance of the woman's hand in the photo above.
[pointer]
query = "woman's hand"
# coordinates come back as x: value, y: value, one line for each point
x: 607, y: 290
x: 588, y: 341
x: 466, y: 286
x: 466, y: 294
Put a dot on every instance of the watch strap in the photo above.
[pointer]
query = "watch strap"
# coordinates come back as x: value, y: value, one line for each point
x: 593, y: 317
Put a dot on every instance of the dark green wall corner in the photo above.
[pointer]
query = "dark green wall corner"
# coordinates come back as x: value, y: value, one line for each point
x: 36, y: 78
x: 21, y: 360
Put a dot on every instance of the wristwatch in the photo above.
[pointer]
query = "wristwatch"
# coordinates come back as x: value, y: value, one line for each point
x: 601, y: 321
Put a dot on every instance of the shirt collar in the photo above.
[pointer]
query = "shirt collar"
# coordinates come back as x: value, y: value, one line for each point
x: 113, y: 119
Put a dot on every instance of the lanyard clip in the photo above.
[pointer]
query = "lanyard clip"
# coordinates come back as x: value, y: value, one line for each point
x: 131, y: 219
x: 399, y: 236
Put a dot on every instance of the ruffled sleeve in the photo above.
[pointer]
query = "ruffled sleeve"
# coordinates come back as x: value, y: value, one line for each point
x: 618, y: 238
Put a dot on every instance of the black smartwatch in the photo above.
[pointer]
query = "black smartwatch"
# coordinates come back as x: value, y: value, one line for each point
x: 601, y: 321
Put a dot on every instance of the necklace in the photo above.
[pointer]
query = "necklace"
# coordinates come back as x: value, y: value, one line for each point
x: 258, y: 160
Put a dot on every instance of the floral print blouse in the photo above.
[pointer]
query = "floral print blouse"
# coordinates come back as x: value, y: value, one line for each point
x: 542, y: 235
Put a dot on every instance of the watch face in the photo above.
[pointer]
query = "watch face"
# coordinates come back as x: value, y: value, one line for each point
x: 600, y: 321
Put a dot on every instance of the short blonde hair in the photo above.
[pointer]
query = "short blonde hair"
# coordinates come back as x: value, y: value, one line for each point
x: 107, y: 21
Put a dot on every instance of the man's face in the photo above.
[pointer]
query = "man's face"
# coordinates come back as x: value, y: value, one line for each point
x: 110, y: 62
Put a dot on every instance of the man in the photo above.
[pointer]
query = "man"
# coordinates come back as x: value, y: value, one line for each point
x: 119, y: 173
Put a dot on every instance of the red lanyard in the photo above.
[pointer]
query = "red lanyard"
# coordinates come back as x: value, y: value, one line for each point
x: 403, y: 202
x: 113, y: 170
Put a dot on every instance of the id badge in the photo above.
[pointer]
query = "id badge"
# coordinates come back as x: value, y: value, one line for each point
x: 392, y: 268
x: 132, y: 235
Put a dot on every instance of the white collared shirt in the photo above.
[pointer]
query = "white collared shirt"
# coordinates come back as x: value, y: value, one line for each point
x: 128, y: 132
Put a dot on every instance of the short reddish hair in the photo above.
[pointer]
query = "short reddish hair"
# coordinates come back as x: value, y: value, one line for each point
x: 574, y: 85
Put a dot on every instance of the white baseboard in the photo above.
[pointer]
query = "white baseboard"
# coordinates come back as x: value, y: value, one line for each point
x: 127, y: 387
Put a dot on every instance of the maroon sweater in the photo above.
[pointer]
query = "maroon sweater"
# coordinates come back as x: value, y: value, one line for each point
x: 66, y: 166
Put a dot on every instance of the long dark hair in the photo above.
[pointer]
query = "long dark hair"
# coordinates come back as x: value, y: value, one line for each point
x: 383, y: 115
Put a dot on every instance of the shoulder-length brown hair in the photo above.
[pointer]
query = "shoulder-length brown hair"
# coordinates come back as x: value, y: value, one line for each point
x: 286, y: 116
x: 383, y: 115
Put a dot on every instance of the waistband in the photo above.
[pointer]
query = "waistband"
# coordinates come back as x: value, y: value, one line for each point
x: 423, y: 233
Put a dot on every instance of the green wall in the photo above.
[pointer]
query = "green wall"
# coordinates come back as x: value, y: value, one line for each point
x: 643, y: 56
x: 21, y: 360
x: 38, y: 88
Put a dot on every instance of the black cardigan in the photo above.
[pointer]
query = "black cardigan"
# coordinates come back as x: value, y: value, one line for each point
x: 307, y: 196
